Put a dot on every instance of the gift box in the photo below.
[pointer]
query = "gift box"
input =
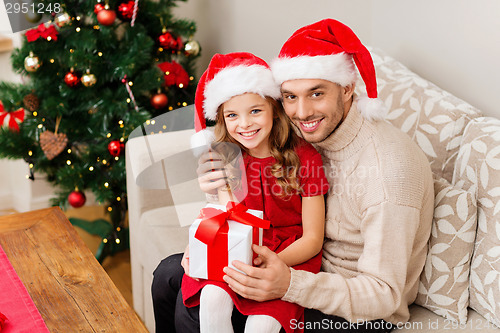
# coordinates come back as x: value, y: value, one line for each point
x: 220, y: 235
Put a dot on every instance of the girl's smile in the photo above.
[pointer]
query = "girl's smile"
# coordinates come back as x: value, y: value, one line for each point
x: 249, y: 135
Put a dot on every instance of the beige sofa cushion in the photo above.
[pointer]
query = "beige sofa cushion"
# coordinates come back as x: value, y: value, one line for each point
x: 444, y: 284
x: 432, y: 117
x: 477, y: 170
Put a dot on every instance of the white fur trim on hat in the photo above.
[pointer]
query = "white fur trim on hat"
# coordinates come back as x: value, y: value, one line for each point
x: 200, y: 141
x: 338, y: 68
x: 371, y: 109
x: 237, y: 80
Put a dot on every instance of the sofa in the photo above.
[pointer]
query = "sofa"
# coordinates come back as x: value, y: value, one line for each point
x: 460, y: 284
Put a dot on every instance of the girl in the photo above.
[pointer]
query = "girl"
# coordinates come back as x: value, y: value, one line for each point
x: 285, y: 180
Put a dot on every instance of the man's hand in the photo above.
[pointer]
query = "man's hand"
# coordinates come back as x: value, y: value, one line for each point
x: 268, y: 281
x: 210, y: 172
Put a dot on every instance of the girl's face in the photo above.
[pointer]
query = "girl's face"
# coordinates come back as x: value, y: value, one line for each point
x: 249, y: 120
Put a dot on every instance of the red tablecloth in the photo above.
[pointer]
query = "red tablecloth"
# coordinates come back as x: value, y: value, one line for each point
x: 15, y: 302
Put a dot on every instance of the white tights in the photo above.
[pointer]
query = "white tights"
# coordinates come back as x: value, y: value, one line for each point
x: 216, y: 307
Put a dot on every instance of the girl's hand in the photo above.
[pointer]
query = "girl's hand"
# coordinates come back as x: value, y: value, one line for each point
x: 210, y: 172
x: 185, y: 262
x: 259, y: 262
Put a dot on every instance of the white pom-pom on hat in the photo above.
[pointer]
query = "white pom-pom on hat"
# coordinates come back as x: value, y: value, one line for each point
x: 371, y: 108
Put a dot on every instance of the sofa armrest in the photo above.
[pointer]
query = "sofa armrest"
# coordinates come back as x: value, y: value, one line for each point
x: 161, y: 171
x: 154, y: 217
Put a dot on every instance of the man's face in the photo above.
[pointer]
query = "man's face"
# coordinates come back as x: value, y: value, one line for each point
x: 315, y: 106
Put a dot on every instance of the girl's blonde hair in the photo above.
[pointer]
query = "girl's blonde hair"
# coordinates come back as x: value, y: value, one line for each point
x: 282, y: 141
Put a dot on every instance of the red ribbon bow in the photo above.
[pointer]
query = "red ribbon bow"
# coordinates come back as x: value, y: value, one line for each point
x: 213, y: 231
x: 41, y: 31
x: 11, y: 118
x: 214, y: 219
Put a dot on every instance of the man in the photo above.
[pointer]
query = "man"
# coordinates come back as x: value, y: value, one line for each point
x: 379, y: 208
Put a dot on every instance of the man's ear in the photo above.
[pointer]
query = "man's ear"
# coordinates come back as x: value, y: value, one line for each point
x: 348, y: 91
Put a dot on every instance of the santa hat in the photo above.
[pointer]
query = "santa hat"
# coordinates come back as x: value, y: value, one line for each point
x: 229, y: 75
x: 326, y: 50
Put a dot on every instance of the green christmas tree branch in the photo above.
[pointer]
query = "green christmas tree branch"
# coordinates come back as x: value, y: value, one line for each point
x: 119, y: 63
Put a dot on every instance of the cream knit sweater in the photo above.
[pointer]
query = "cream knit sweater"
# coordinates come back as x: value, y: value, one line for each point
x: 379, y: 214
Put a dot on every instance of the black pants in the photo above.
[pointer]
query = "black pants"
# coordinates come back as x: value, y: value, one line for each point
x: 170, y: 313
x: 172, y: 316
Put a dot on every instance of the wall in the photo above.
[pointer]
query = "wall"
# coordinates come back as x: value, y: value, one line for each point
x: 6, y: 73
x: 5, y: 191
x: 453, y: 43
x: 261, y: 26
x: 20, y: 193
x: 15, y: 190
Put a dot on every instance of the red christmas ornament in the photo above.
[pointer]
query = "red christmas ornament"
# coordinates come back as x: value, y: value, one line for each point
x: 76, y: 199
x: 71, y: 79
x: 174, y: 74
x: 115, y: 148
x: 166, y: 40
x: 159, y: 101
x: 106, y: 17
x: 126, y: 10
x: 98, y: 7
x: 169, y: 42
x: 180, y: 44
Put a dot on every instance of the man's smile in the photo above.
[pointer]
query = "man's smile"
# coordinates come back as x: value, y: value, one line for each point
x: 310, y: 126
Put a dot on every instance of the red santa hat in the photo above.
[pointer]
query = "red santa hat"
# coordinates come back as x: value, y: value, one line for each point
x: 326, y: 50
x: 229, y: 75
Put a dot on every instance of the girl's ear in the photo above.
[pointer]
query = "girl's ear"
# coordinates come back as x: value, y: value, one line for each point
x: 348, y: 91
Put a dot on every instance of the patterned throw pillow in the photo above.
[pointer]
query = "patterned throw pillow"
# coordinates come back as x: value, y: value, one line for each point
x: 432, y: 117
x: 444, y: 283
x: 477, y: 168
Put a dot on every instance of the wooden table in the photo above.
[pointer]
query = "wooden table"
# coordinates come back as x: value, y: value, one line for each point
x: 71, y: 290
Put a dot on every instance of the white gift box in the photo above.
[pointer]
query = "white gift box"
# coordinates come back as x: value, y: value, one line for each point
x: 240, y: 240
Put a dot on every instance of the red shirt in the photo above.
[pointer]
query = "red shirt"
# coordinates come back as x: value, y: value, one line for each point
x: 285, y: 213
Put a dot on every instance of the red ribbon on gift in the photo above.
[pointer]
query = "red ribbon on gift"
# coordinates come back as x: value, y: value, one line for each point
x: 42, y: 31
x: 213, y: 231
x: 13, y: 118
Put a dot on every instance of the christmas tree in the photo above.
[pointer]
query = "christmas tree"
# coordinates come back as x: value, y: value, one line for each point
x: 94, y: 72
